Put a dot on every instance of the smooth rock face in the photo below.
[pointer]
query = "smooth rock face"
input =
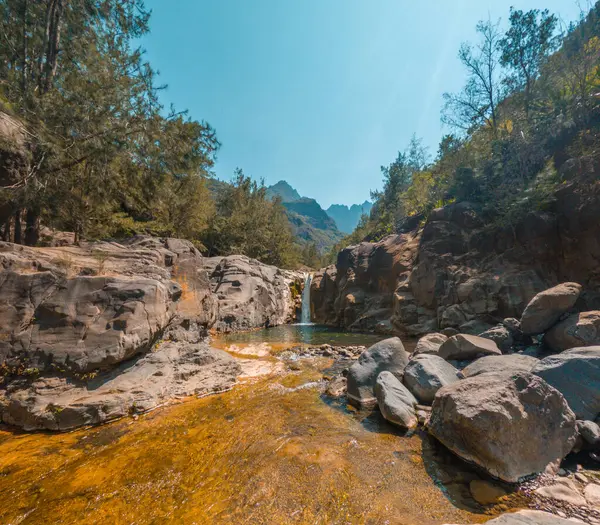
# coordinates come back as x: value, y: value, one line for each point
x: 575, y: 331
x: 80, y: 324
x: 250, y: 294
x: 175, y: 370
x: 592, y: 494
x: 530, y: 517
x: 563, y: 490
x: 500, y: 363
x: 426, y: 374
x: 396, y: 403
x: 429, y: 344
x: 511, y: 425
x: 467, y: 347
x: 388, y: 355
x: 547, y: 307
x: 576, y: 374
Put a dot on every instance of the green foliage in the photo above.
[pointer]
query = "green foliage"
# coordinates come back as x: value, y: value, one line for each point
x: 530, y: 103
x: 247, y: 221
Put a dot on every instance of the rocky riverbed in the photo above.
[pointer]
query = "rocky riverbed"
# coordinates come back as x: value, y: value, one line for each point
x: 303, y: 424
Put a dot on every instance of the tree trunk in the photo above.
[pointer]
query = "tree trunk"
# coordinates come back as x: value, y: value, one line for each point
x: 6, y: 231
x: 54, y: 19
x: 25, y: 49
x: 32, y: 226
x: 18, y: 239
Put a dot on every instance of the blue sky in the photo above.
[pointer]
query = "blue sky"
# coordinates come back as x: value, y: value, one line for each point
x: 320, y: 93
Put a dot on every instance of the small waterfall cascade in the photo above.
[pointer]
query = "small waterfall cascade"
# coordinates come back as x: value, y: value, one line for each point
x: 305, y: 312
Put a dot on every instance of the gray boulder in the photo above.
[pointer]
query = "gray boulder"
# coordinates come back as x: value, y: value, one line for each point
x: 500, y: 363
x: 576, y: 374
x: 589, y: 432
x: 577, y: 330
x: 429, y: 344
x: 547, y: 307
x: 511, y: 425
x: 387, y: 355
x: 501, y: 336
x: 467, y: 347
x: 396, y: 403
x: 426, y: 374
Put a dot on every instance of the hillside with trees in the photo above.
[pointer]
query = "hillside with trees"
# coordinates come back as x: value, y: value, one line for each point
x: 530, y: 102
x: 86, y: 146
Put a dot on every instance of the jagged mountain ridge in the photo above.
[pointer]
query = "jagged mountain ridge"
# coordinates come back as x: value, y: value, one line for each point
x: 347, y: 218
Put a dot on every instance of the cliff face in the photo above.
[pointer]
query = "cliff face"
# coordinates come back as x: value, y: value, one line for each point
x: 458, y: 271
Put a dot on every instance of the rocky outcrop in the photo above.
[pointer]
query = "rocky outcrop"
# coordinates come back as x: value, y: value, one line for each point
x: 511, y: 425
x: 396, y: 403
x: 93, y: 332
x: 576, y: 374
x: 463, y: 347
x: 457, y: 269
x: 250, y: 294
x: 174, y: 371
x: 388, y: 355
x: 547, y: 307
x: 426, y: 374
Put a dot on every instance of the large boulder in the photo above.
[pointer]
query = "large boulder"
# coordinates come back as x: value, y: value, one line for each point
x: 547, y: 307
x: 387, y: 355
x: 250, y: 294
x: 582, y: 329
x: 83, y: 323
x: 429, y: 344
x: 396, y: 403
x: 93, y: 332
x: 500, y: 363
x: 511, y: 425
x: 467, y: 347
x: 426, y: 374
x: 501, y: 335
x: 576, y: 374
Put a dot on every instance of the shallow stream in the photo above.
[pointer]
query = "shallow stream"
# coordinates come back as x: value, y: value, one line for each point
x: 266, y: 452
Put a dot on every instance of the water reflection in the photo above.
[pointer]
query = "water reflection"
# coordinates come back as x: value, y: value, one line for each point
x: 311, y: 335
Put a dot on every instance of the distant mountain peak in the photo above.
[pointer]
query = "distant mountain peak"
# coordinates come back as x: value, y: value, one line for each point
x: 284, y: 190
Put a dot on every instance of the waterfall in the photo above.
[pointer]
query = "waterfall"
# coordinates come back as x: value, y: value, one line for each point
x: 305, y: 312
